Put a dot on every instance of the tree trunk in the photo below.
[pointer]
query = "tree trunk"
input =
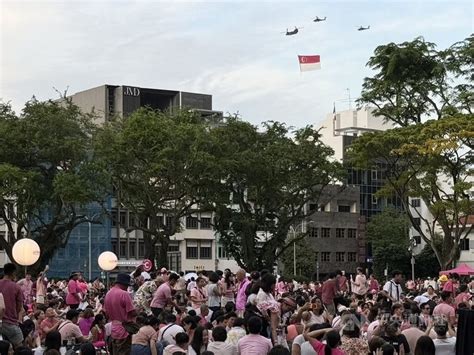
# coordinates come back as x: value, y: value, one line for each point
x: 163, y: 257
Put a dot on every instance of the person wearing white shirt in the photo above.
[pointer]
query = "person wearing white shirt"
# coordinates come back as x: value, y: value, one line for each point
x: 169, y: 331
x: 392, y: 289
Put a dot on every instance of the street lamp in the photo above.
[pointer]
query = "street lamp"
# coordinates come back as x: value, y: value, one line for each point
x: 26, y: 252
x: 293, y: 230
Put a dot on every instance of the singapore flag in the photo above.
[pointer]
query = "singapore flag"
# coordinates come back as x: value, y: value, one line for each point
x: 309, y: 62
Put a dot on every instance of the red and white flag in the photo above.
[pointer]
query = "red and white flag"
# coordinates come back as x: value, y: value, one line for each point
x: 309, y: 62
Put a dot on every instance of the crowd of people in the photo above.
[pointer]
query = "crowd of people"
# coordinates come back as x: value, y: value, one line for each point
x: 226, y: 313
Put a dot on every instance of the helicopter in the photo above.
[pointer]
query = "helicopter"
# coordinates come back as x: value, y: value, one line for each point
x: 292, y: 32
x: 317, y: 19
x: 362, y: 28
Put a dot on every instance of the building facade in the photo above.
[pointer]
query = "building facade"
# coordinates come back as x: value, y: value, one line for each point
x: 194, y: 248
x: 336, y: 231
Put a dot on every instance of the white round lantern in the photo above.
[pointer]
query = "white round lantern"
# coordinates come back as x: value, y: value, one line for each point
x: 107, y: 261
x: 26, y: 252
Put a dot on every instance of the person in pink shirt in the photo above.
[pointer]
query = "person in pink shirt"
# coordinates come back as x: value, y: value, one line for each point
x: 333, y: 339
x: 463, y: 296
x: 199, y: 293
x: 451, y: 285
x: 162, y: 296
x: 73, y: 297
x: 373, y: 283
x: 444, y: 308
x: 281, y: 286
x: 26, y: 286
x: 119, y: 309
x: 13, y: 299
x: 254, y: 343
x: 241, y: 298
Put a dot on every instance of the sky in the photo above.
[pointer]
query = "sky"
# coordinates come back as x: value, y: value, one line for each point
x: 232, y: 49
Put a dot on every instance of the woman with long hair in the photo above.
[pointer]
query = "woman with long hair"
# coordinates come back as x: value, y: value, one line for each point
x: 333, y: 340
x: 424, y: 346
x: 228, y: 289
x: 98, y: 331
x: 199, y: 342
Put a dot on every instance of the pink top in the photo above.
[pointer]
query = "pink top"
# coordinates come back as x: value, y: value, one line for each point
x: 254, y: 344
x: 12, y: 295
x: 200, y: 294
x: 73, y: 291
x: 241, y: 299
x: 320, y: 348
x: 162, y: 296
x: 144, y: 336
x: 118, y: 305
x: 444, y: 309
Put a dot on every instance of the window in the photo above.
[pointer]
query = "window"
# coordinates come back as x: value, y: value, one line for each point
x: 143, y: 222
x: 160, y: 221
x: 115, y: 247
x: 415, y: 202
x: 114, y: 218
x: 325, y: 256
x: 205, y: 223
x: 222, y: 253
x: 191, y: 222
x: 191, y: 249
x: 169, y: 221
x: 351, y: 256
x: 417, y: 239
x: 205, y: 250
x: 141, y: 249
x: 316, y: 256
x: 340, y: 256
x: 325, y: 232
x: 343, y: 208
x: 132, y: 249
x: 352, y: 233
x: 416, y: 222
x: 313, y: 232
x: 123, y: 249
x: 340, y: 232
x: 123, y: 219
x: 173, y: 246
x: 375, y: 200
x: 464, y: 244
x: 376, y: 175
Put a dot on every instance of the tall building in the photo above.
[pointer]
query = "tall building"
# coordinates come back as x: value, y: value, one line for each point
x: 195, y: 248
x: 109, y: 100
x: 336, y: 230
x: 338, y: 131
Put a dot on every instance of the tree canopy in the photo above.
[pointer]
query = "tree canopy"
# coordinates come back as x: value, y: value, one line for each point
x: 266, y: 179
x: 46, y: 174
x: 160, y: 165
x: 414, y: 80
x: 431, y: 161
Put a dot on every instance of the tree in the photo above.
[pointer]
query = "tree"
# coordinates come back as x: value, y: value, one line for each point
x: 160, y: 165
x: 46, y: 176
x: 305, y: 256
x: 265, y: 181
x: 431, y: 161
x: 387, y: 232
x: 414, y: 81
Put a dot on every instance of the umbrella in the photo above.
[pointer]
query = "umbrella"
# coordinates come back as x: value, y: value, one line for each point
x: 188, y: 276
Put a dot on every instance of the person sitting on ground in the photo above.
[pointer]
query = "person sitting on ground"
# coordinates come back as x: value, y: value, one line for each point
x: 144, y: 342
x: 181, y: 346
x: 219, y: 345
x: 69, y: 329
x: 254, y: 343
